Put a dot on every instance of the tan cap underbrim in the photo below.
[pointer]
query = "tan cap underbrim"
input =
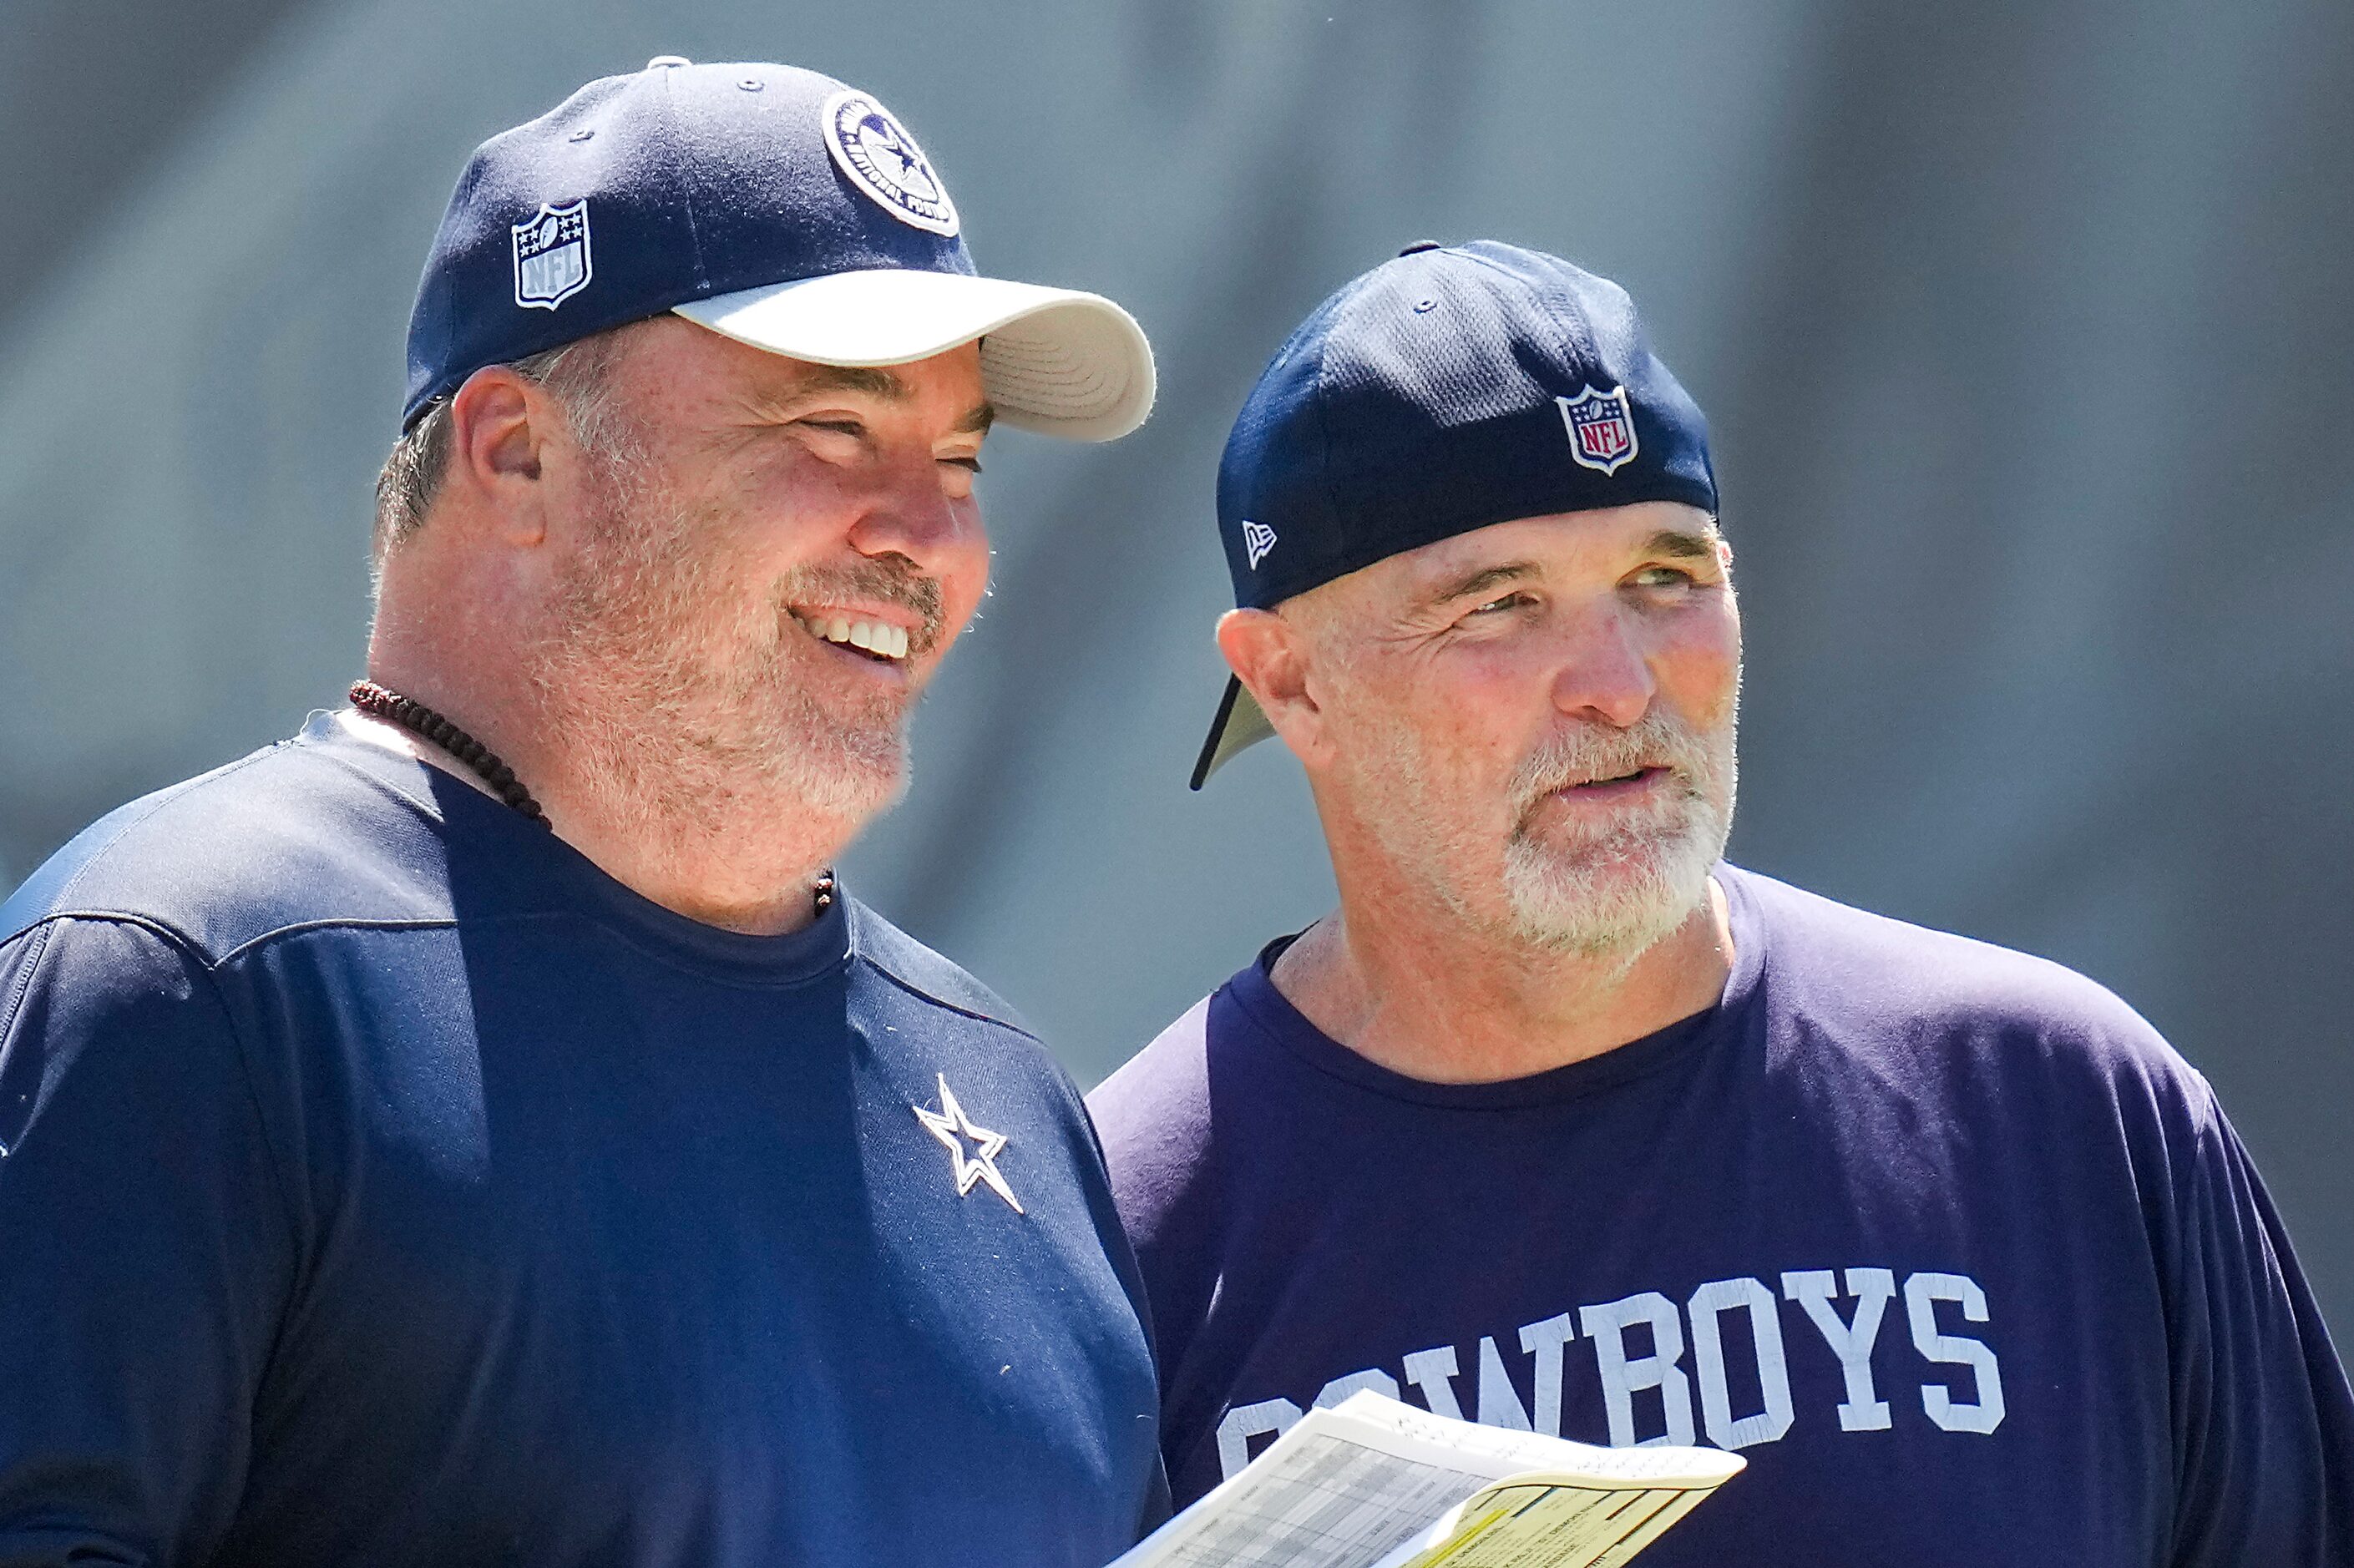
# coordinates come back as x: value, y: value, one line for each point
x: 1240, y: 723
x: 1057, y: 361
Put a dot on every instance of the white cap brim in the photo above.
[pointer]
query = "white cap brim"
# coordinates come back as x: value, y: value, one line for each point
x: 1057, y: 361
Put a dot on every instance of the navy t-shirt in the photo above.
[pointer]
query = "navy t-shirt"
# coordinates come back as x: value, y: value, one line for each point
x: 1944, y: 1239
x: 382, y: 1183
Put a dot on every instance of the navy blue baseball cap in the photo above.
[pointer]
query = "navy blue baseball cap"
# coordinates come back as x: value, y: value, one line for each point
x: 773, y: 204
x: 1453, y: 387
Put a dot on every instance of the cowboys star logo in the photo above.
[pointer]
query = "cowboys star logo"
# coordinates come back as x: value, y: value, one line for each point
x: 955, y: 1130
x: 882, y: 159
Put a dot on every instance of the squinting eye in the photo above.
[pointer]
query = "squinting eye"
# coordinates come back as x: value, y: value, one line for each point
x: 851, y: 428
x: 1664, y: 577
x: 1509, y: 601
x: 970, y: 464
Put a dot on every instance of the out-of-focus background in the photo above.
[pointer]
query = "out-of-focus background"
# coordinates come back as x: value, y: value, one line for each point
x: 2026, y: 329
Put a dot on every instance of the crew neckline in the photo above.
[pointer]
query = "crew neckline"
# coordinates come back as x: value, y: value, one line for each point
x: 532, y: 872
x: 1254, y: 990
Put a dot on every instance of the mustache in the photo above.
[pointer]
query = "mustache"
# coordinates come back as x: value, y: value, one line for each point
x: 892, y: 579
x: 1594, y: 751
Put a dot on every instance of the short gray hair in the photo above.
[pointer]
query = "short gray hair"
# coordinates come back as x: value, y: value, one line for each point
x: 412, y: 475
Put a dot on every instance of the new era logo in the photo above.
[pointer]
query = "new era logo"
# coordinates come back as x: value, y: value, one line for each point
x: 1257, y: 540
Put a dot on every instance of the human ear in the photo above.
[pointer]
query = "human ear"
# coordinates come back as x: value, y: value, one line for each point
x: 498, y: 424
x: 1271, y: 657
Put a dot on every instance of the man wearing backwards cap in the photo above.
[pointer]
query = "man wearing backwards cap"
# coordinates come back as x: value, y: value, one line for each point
x: 1559, y: 1122
x: 477, y: 1129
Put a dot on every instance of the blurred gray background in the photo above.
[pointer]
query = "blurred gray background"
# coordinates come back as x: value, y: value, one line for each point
x: 2025, y: 330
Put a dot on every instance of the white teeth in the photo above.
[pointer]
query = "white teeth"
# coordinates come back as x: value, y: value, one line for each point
x: 874, y: 636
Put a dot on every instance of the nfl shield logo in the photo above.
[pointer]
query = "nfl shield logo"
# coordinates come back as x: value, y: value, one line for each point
x: 1601, y: 430
x: 551, y: 256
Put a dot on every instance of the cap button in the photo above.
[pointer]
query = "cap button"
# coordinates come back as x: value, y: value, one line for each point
x: 1419, y: 246
x: 664, y: 62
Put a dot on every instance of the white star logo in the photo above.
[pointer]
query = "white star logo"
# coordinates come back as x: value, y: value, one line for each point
x: 953, y: 1129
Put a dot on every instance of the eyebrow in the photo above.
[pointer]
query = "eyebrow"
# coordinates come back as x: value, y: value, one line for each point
x: 977, y: 423
x: 866, y: 378
x: 1682, y: 543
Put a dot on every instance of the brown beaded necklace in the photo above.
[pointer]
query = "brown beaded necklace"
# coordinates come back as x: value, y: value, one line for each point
x: 382, y: 702
x: 424, y: 724
x: 408, y: 713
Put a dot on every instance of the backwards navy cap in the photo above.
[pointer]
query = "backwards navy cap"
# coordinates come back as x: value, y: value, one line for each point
x: 773, y: 204
x: 1453, y: 387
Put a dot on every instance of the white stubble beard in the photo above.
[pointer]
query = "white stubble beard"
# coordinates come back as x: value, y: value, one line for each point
x: 672, y: 743
x: 1616, y: 894
x: 1611, y: 898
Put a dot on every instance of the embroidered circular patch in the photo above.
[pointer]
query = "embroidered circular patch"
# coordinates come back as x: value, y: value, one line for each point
x: 881, y: 159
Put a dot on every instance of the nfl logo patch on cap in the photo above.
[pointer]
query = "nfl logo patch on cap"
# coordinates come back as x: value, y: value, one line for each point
x: 551, y: 255
x: 1601, y: 428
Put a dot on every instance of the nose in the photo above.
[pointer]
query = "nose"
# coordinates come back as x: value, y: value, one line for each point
x: 1604, y: 676
x: 909, y: 514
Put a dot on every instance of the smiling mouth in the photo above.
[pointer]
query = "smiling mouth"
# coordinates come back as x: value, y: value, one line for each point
x: 877, y: 640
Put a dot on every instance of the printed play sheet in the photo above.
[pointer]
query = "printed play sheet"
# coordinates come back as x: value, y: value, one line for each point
x: 1373, y: 1483
x: 1327, y: 1503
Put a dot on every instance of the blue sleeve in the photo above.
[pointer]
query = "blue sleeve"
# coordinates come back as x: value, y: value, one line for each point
x: 145, y: 1250
x: 2264, y: 1421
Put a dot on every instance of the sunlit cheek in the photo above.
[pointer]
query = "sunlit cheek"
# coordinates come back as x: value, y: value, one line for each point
x: 1700, y: 670
x: 1462, y: 759
x: 962, y: 571
x: 1495, y: 702
x: 791, y: 501
x: 734, y: 597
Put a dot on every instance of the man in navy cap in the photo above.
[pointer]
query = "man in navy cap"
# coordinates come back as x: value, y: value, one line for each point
x: 1561, y: 1123
x: 478, y: 1129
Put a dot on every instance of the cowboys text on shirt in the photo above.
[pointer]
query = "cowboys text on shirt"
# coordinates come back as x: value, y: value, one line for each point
x: 1713, y: 1365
